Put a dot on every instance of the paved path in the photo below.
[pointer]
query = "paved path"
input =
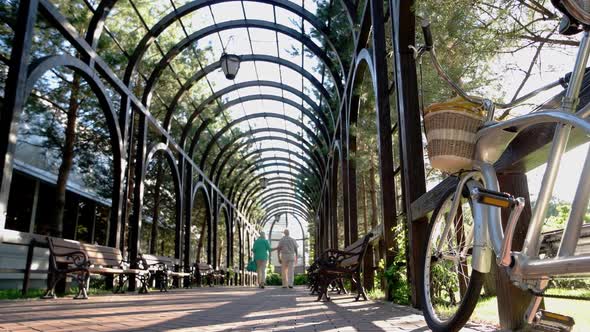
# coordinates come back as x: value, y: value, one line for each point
x: 211, y: 309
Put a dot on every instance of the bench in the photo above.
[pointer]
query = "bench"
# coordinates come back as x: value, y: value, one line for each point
x: 204, y: 271
x: 334, y: 265
x: 69, y: 257
x: 219, y: 276
x: 162, y: 267
x: 551, y: 240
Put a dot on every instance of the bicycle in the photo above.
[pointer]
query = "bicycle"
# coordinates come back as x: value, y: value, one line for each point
x: 465, y: 231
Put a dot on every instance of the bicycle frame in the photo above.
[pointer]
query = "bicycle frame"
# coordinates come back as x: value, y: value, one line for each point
x: 491, y: 143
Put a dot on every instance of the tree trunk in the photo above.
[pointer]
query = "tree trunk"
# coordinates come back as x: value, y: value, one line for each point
x: 364, y: 204
x: 373, y: 194
x: 201, y: 239
x: 219, y: 255
x: 67, y: 159
x: 156, y: 209
x: 130, y: 185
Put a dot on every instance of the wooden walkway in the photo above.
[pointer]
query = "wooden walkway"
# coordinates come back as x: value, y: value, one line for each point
x: 211, y: 309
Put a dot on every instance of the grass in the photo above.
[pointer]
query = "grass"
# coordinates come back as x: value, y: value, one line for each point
x: 376, y: 294
x: 486, y: 310
x: 15, y: 294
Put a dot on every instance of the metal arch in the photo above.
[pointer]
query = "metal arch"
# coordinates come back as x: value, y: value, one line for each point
x: 248, y: 197
x: 236, y: 187
x: 264, y: 196
x: 104, y: 7
x: 236, y: 24
x: 203, y: 187
x: 301, y: 144
x: 42, y: 65
x: 219, y: 209
x: 203, y: 105
x: 245, y: 58
x: 268, y: 216
x: 289, y: 205
x: 253, y: 168
x: 300, y: 171
x: 246, y: 118
x: 96, y: 25
x: 283, y: 181
x: 272, y: 149
x: 289, y: 184
x: 257, y: 186
x: 254, y: 198
x: 286, y: 202
x: 320, y: 126
x: 256, y: 189
x: 163, y: 148
x: 245, y: 143
x: 276, y: 149
x: 364, y: 61
x: 291, y: 197
x: 253, y: 140
x: 294, y: 191
x: 37, y: 69
x: 188, y: 8
x: 283, y: 196
x: 350, y: 8
x: 299, y: 166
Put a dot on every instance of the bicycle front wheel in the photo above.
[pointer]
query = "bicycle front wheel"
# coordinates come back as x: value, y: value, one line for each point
x: 450, y: 287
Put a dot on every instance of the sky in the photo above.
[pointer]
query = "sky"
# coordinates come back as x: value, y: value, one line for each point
x: 553, y: 64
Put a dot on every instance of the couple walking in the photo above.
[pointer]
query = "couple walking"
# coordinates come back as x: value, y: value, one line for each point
x: 287, y: 251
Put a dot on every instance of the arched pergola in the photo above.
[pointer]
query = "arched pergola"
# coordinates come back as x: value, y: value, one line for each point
x: 268, y: 141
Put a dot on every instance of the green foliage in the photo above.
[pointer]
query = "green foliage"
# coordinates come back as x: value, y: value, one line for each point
x: 300, y: 279
x: 273, y: 279
x: 11, y: 294
x: 376, y: 294
x: 397, y: 280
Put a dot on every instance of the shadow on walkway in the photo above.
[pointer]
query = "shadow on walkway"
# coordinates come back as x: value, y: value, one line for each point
x: 212, y: 309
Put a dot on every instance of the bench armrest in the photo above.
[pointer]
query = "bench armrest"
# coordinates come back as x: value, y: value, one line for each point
x: 160, y: 266
x: 79, y: 258
x: 339, y: 254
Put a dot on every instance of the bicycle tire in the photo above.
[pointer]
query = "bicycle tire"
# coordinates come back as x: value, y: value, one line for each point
x: 469, y: 301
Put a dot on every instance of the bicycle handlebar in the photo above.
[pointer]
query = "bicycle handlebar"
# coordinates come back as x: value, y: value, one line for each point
x: 429, y: 47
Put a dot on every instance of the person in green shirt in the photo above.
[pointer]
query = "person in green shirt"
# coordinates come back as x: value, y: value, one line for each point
x: 261, y: 250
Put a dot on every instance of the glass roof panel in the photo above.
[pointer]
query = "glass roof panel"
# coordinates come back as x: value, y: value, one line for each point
x: 258, y: 11
x: 235, y: 41
x: 227, y: 11
x: 247, y: 72
x: 268, y: 71
x: 288, y: 19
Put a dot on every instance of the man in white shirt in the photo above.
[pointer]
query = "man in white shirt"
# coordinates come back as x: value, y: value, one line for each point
x: 287, y: 250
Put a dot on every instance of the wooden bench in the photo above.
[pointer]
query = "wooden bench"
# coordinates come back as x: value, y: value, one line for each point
x: 204, y: 271
x: 551, y: 241
x: 334, y: 265
x: 69, y: 257
x: 162, y: 268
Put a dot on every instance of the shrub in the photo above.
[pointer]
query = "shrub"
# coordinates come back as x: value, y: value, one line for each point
x: 274, y: 279
x: 300, y: 279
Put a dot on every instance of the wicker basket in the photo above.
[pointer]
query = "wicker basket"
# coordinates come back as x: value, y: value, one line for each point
x: 450, y: 132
